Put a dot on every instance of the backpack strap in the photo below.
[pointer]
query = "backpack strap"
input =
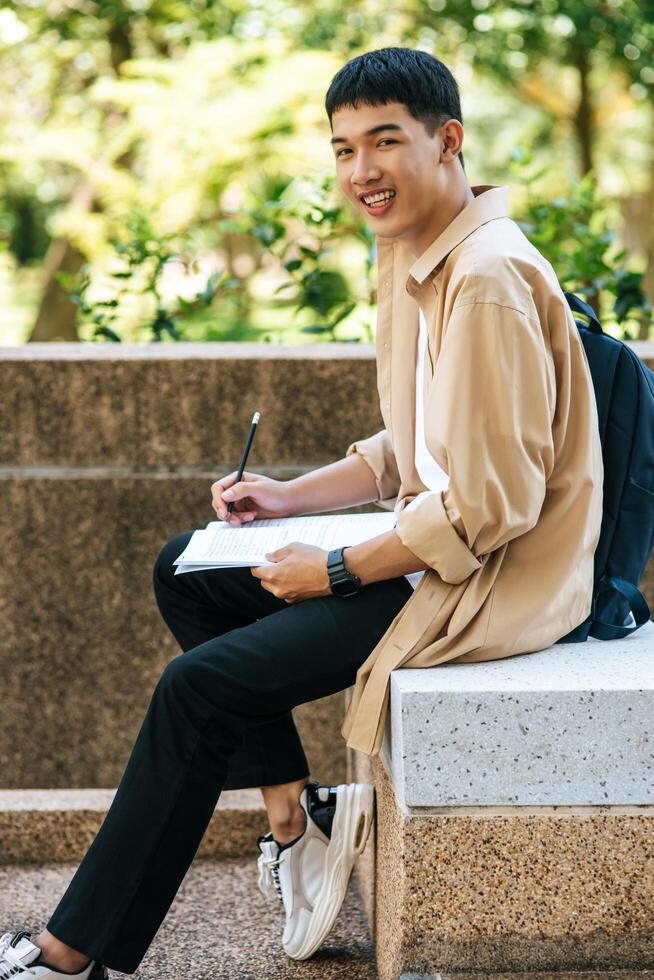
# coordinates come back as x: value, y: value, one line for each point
x: 579, y: 306
x: 638, y: 606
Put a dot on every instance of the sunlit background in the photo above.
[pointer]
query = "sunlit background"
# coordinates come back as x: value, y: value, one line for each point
x: 166, y: 174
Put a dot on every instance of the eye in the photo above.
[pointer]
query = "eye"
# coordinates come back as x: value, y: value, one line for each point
x: 387, y: 139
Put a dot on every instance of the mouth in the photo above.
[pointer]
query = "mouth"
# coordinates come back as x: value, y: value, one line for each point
x: 378, y: 202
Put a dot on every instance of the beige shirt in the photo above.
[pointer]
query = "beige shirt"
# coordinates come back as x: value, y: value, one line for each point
x: 431, y: 474
x: 510, y: 416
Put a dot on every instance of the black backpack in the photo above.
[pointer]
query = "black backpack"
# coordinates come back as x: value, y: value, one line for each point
x: 624, y: 391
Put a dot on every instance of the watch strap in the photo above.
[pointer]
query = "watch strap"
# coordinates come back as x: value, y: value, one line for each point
x: 338, y: 573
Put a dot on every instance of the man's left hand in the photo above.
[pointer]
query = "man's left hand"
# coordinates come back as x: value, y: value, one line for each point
x: 299, y: 572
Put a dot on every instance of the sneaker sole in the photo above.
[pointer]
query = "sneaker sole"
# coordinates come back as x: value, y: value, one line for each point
x: 350, y: 831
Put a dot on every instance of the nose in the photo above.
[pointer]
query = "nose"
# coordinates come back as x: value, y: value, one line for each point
x: 364, y: 173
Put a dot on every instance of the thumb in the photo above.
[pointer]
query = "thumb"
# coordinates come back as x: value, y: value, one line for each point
x: 235, y: 491
x: 277, y: 555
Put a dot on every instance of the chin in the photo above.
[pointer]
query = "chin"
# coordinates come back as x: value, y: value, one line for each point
x: 394, y: 230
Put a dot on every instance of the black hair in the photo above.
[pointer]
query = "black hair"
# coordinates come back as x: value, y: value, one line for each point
x: 415, y: 78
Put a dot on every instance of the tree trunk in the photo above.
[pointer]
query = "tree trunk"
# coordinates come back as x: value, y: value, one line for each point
x: 57, y: 314
x: 584, y: 112
x: 584, y: 129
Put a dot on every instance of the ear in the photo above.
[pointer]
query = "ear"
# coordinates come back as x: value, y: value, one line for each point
x: 451, y: 140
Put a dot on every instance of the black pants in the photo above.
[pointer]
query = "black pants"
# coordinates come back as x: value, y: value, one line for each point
x: 219, y: 718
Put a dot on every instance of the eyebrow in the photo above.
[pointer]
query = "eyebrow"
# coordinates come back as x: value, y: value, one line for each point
x: 371, y: 132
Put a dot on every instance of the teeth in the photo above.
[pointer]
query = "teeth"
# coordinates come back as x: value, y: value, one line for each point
x: 377, y: 198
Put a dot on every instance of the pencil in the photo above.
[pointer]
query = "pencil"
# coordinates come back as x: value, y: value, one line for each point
x: 246, y: 450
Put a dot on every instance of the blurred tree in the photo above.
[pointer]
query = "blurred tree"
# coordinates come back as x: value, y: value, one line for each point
x: 535, y: 45
x: 200, y: 114
x: 571, y: 231
x: 532, y: 44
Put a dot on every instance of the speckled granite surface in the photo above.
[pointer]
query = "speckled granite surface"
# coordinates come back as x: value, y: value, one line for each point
x: 82, y: 640
x: 569, y: 725
x: 106, y: 454
x: 148, y: 406
x: 509, y: 892
x: 219, y: 927
x: 59, y: 825
x: 115, y: 452
x: 612, y: 975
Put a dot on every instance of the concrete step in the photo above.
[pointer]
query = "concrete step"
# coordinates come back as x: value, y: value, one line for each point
x: 49, y: 825
x: 613, y: 975
x: 219, y: 926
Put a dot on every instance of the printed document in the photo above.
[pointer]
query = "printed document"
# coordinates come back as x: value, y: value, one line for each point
x: 221, y: 545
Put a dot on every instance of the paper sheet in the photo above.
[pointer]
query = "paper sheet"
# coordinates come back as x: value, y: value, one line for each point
x: 221, y: 545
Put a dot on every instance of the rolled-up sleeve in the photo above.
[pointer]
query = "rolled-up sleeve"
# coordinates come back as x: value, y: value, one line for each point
x: 490, y: 413
x: 377, y: 451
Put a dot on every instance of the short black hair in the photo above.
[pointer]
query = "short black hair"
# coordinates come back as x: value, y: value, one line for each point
x: 415, y: 78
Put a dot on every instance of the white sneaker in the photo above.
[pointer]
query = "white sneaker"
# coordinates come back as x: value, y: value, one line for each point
x: 19, y: 958
x: 311, y: 874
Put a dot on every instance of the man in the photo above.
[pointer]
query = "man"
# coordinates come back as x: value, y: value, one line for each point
x: 490, y: 457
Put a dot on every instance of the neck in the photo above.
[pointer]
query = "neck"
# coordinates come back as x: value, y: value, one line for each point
x: 455, y: 198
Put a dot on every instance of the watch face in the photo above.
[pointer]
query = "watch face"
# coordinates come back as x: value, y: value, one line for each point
x: 344, y: 588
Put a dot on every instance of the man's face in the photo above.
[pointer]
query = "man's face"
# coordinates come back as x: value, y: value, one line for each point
x: 399, y: 158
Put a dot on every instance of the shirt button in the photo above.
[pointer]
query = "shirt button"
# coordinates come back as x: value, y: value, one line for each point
x: 385, y: 346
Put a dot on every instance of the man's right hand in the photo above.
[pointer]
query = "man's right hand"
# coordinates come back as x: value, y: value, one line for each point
x: 255, y: 498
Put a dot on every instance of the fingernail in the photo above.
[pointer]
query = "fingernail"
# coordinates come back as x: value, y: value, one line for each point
x: 228, y: 494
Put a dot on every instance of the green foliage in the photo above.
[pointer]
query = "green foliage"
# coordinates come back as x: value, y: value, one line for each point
x: 301, y: 235
x: 572, y: 232
x: 140, y: 259
x: 206, y: 119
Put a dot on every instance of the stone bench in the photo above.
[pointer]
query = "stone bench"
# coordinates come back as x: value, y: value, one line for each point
x: 515, y: 814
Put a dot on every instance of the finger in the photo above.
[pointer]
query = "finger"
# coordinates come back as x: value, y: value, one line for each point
x: 223, y: 514
x: 217, y: 489
x: 218, y: 486
x: 243, y: 516
x: 278, y: 554
x: 235, y: 518
x: 234, y: 492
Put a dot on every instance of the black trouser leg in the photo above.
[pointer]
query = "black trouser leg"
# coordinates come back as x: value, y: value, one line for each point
x: 204, y: 703
x: 201, y: 605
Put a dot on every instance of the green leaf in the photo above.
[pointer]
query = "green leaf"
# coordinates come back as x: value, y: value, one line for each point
x: 108, y: 333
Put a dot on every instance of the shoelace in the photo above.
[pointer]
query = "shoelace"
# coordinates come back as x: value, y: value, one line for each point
x: 269, y: 876
x: 12, y: 966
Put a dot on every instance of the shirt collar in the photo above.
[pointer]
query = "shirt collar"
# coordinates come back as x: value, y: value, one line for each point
x: 490, y: 201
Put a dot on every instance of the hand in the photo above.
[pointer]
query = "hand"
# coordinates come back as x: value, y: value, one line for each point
x: 254, y: 497
x: 299, y: 572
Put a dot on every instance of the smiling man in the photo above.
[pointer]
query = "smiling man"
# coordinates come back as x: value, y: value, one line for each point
x: 385, y: 162
x: 490, y: 457
x: 490, y: 453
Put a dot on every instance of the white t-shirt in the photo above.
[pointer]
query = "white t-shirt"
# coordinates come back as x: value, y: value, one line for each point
x: 431, y: 474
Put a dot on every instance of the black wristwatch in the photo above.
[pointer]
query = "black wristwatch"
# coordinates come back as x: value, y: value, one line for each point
x: 341, y: 582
